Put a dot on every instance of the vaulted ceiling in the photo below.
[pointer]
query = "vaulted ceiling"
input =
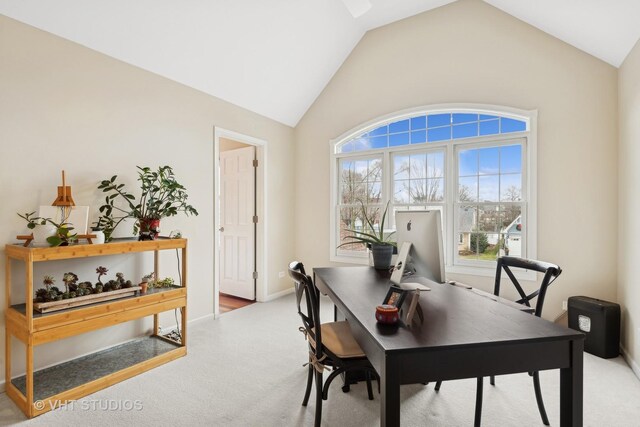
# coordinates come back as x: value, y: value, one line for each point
x: 274, y: 57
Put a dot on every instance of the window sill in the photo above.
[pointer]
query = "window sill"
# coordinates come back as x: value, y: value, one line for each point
x: 450, y: 269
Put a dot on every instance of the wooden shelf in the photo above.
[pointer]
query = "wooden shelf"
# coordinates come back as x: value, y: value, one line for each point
x: 116, y: 247
x: 33, y: 328
x: 62, y: 378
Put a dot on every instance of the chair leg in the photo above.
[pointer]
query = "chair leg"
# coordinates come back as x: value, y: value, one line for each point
x: 536, y: 386
x: 369, y: 388
x: 478, y: 417
x: 307, y: 393
x: 492, y: 380
x: 318, y: 399
x: 438, y: 384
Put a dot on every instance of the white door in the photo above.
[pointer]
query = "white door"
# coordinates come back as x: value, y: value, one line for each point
x: 237, y: 229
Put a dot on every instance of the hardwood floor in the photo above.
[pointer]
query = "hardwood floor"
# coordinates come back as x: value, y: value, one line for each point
x: 229, y: 303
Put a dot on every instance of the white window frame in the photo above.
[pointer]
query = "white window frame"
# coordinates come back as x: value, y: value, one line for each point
x: 529, y: 174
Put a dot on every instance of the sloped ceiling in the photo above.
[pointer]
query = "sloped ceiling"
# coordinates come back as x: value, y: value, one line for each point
x: 274, y: 57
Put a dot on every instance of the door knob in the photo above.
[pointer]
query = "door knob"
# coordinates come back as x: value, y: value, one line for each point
x: 221, y: 229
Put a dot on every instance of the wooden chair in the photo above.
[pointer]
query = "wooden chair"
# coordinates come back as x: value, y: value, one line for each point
x: 551, y: 273
x: 331, y: 345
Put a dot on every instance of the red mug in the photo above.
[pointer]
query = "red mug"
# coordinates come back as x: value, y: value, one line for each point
x: 387, y: 314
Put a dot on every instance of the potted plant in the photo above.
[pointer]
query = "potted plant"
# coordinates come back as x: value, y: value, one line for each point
x: 161, y: 196
x: 145, y: 281
x: 46, y: 230
x: 381, y: 245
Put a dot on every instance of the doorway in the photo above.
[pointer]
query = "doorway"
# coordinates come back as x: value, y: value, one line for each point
x: 239, y: 223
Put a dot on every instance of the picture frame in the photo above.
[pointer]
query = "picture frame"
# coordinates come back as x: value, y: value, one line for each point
x: 395, y: 297
x: 77, y: 216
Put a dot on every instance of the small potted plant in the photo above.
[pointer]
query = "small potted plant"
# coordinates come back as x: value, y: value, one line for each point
x: 380, y: 243
x: 46, y: 230
x: 146, y: 281
x: 41, y: 228
x: 161, y: 196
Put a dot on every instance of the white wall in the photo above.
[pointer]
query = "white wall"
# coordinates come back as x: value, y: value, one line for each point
x: 629, y: 205
x: 470, y: 52
x: 63, y: 106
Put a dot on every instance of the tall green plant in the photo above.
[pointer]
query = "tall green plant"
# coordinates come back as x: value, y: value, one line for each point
x: 369, y: 235
x: 161, y: 196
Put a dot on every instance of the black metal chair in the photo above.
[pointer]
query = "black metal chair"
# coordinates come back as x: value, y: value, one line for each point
x: 331, y: 345
x: 551, y: 273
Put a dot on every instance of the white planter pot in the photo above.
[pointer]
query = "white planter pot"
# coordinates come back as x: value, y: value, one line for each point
x: 41, y: 232
x: 99, y: 237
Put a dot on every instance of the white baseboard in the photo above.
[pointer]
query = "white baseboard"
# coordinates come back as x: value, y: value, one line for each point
x: 279, y: 294
x: 197, y: 319
x: 632, y: 363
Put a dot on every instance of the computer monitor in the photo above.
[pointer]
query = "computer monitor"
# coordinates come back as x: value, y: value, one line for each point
x: 424, y: 230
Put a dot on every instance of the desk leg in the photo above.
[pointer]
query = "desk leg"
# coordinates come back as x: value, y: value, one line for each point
x: 571, y: 388
x: 390, y: 393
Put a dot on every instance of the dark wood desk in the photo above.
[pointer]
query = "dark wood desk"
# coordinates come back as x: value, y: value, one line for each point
x: 463, y: 336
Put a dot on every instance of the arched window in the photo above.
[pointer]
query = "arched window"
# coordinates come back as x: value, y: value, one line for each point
x: 472, y: 163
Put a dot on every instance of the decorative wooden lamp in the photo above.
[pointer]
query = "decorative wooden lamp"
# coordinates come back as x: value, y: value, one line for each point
x: 65, y: 201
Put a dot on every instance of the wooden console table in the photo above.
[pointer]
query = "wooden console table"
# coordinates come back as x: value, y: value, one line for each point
x: 41, y: 391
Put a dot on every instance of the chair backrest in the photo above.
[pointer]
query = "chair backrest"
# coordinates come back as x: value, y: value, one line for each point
x: 310, y: 311
x: 551, y: 273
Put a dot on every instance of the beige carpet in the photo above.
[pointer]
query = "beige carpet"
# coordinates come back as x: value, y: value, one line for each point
x: 245, y: 369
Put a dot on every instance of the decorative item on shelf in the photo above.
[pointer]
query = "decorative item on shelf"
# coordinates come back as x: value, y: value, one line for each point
x: 161, y: 196
x: 99, y: 236
x: 387, y: 314
x: 50, y: 298
x: 167, y: 282
x: 381, y: 245
x: 144, y: 282
x: 45, y: 230
x: 54, y: 223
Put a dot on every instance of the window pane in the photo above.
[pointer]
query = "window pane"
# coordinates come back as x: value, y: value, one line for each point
x: 400, y: 167
x: 401, y: 126
x: 360, y: 144
x: 419, y: 122
x: 399, y: 139
x: 439, y: 134
x: 489, y: 159
x: 485, y: 117
x: 382, y: 130
x: 510, y: 188
x: 435, y: 165
x: 350, y: 219
x: 374, y: 192
x: 511, y: 125
x: 488, y: 190
x: 438, y: 120
x: 418, y: 166
x: 489, y: 218
x: 466, y: 218
x: 435, y: 190
x: 378, y: 141
x: 401, y: 191
x: 511, y: 219
x: 465, y: 131
x: 464, y: 118
x: 419, y: 137
x: 491, y: 127
x: 511, y: 159
x: 375, y: 170
x: 512, y: 232
x: 346, y: 147
x: 361, y: 168
x: 418, y: 191
x: 468, y: 163
x: 468, y: 189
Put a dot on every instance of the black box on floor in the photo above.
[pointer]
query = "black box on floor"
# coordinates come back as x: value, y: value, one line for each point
x: 600, y: 321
